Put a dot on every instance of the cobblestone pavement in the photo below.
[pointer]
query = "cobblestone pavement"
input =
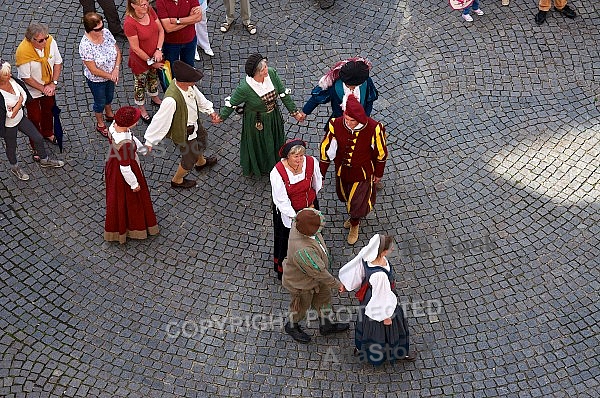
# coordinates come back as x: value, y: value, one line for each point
x: 492, y: 190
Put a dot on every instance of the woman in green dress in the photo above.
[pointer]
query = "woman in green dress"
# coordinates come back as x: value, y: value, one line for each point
x: 262, y: 126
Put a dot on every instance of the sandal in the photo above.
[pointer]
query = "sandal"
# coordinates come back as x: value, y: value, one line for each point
x: 154, y: 104
x: 53, y: 140
x: 102, y: 130
x: 36, y: 157
x: 109, y: 119
x: 146, y: 118
x: 251, y: 28
x: 225, y: 26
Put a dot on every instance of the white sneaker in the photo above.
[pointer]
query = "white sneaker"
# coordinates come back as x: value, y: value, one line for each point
x: 21, y: 175
x: 505, y: 2
x: 196, y: 55
x: 209, y: 52
x: 51, y: 163
x: 478, y: 12
x: 467, y: 17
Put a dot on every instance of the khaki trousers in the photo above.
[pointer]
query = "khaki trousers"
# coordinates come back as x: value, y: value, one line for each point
x: 309, y: 298
x: 230, y: 11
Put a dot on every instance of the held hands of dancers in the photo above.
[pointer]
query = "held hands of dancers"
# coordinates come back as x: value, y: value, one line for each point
x: 300, y: 116
x: 215, y: 118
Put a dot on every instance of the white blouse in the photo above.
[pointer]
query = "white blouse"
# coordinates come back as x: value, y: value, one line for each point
x: 126, y: 171
x: 383, y: 300
x: 347, y: 92
x: 10, y: 100
x: 104, y: 55
x: 260, y: 88
x: 280, y: 196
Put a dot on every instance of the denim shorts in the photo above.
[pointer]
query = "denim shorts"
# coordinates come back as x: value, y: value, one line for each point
x: 103, y: 93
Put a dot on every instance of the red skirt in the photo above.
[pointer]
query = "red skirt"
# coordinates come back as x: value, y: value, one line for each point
x: 128, y: 214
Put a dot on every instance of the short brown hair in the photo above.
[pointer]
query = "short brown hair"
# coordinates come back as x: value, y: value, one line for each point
x: 91, y: 20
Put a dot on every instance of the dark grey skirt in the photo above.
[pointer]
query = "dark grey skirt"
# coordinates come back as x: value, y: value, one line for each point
x: 377, y: 342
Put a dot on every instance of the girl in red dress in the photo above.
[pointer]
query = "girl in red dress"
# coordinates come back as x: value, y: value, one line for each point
x: 129, y: 211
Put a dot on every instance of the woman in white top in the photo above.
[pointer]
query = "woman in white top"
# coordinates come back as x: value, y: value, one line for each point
x: 101, y: 60
x: 295, y: 181
x: 381, y: 331
x: 13, y: 95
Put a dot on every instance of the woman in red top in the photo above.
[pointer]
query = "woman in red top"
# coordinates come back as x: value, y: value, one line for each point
x: 295, y: 182
x: 146, y: 36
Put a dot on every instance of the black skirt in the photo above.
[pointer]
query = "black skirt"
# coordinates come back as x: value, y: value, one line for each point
x: 280, y: 241
x: 281, y: 235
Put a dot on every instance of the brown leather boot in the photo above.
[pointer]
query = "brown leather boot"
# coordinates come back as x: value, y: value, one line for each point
x: 353, y: 234
x: 179, y: 181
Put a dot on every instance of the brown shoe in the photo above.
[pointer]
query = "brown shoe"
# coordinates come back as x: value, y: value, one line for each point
x: 347, y: 224
x: 353, y: 235
x: 379, y: 185
x: 210, y: 161
x: 184, y: 184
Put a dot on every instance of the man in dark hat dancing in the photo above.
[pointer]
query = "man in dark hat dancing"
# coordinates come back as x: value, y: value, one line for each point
x: 306, y: 277
x: 356, y: 144
x: 179, y: 119
x: 350, y: 76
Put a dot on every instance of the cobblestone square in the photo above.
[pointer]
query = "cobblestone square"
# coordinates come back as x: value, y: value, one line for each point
x: 492, y: 191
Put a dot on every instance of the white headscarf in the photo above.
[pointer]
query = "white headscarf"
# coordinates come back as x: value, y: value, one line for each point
x: 352, y: 273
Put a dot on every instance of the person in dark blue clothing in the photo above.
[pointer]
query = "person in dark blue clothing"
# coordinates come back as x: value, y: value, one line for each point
x: 381, y: 333
x: 350, y: 76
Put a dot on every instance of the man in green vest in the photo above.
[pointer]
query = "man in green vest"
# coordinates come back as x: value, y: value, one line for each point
x: 179, y: 119
x: 306, y: 276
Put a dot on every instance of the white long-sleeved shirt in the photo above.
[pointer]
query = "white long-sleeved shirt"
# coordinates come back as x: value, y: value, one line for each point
x: 383, y: 301
x: 126, y: 171
x: 162, y: 120
x: 280, y: 196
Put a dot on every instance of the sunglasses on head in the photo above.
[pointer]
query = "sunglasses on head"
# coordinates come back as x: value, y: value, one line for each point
x: 98, y: 29
x: 42, y: 39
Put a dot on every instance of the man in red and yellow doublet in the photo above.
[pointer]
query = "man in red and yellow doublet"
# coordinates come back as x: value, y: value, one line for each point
x: 356, y: 145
